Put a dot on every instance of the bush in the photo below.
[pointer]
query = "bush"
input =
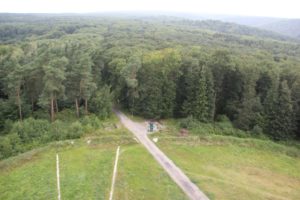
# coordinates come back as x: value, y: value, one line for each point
x: 7, y: 126
x: 91, y: 123
x: 75, y: 131
x: 6, y: 149
x: 257, y: 130
x: 31, y: 130
x: 40, y: 114
x: 222, y: 118
x: 66, y: 115
x: 188, y: 123
x: 30, y: 133
x: 15, y: 142
x: 58, y: 130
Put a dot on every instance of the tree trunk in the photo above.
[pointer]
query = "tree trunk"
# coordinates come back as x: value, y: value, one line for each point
x: 56, y: 105
x: 32, y: 104
x: 86, y: 106
x: 77, y: 107
x: 52, y: 109
x: 19, y: 104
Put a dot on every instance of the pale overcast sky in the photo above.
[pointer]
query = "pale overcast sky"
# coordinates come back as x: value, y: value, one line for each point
x: 271, y: 8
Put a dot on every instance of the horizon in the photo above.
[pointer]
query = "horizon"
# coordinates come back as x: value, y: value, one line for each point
x: 280, y: 9
x: 179, y: 14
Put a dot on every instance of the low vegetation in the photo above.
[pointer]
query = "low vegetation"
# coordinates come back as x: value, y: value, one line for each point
x: 228, y: 167
x: 86, y: 171
x: 232, y: 88
x: 30, y: 133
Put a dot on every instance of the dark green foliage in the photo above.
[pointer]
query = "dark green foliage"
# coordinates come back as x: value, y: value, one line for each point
x: 31, y: 133
x: 188, y: 123
x: 101, y: 102
x: 150, y: 94
x: 5, y: 147
x: 196, y: 103
x: 161, y: 67
x: 282, y: 124
x: 157, y: 84
x: 211, y: 95
x: 250, y: 108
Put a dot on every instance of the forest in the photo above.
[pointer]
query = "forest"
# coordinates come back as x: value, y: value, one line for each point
x: 56, y: 66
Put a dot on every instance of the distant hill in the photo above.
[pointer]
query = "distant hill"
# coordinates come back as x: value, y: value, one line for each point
x: 237, y: 29
x: 288, y: 27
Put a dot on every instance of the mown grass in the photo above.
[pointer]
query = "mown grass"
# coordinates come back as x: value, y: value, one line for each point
x: 28, y: 176
x: 140, y: 177
x: 86, y: 171
x: 235, y: 168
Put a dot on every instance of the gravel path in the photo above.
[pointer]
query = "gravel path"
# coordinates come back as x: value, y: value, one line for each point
x: 140, y: 132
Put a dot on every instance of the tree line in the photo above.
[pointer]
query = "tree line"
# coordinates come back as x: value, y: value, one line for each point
x: 50, y: 76
x: 253, y: 94
x: 156, y: 68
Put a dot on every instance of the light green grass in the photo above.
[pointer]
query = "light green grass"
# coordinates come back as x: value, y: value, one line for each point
x: 140, y: 177
x: 236, y: 169
x: 29, y: 176
x: 86, y: 172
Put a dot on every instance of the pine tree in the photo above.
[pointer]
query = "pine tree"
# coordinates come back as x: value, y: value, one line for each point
x: 15, y: 78
x: 211, y: 94
x: 53, y: 84
x: 296, y: 105
x: 196, y: 103
x: 80, y: 83
x: 250, y: 108
x: 87, y: 85
x: 283, y: 124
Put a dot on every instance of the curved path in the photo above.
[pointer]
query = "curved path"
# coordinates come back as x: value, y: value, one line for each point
x: 140, y: 131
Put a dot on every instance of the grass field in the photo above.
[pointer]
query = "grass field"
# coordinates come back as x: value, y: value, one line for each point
x: 140, y: 177
x: 86, y: 172
x: 224, y: 167
x: 235, y: 168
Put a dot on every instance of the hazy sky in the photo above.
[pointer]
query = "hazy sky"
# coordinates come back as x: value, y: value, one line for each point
x: 272, y: 8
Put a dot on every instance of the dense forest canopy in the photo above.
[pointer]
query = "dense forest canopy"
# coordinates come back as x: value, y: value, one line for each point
x: 156, y: 67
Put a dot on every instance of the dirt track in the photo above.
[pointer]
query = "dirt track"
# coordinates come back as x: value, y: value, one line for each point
x: 140, y: 132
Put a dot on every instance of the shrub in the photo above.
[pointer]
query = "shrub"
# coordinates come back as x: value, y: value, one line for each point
x: 6, y: 149
x: 15, y: 142
x: 222, y: 118
x: 257, y: 130
x: 75, y: 131
x: 66, y: 115
x: 58, y: 130
x: 188, y: 123
x: 32, y: 130
x: 30, y: 133
x: 92, y: 121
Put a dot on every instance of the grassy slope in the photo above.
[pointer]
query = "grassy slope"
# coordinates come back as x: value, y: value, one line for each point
x: 85, y: 174
x: 86, y: 171
x: 30, y: 176
x: 235, y: 168
x: 234, y: 172
x: 140, y: 179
